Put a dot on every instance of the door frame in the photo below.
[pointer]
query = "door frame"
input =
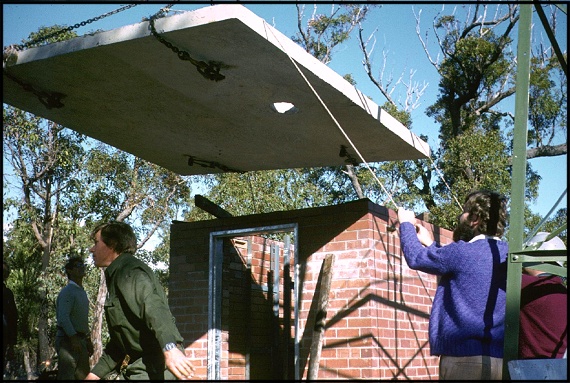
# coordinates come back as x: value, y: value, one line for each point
x: 215, y: 290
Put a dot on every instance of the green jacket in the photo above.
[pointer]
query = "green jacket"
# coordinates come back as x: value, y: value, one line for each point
x: 138, y: 318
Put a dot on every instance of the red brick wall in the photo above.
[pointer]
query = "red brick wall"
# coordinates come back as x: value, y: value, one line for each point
x: 378, y: 310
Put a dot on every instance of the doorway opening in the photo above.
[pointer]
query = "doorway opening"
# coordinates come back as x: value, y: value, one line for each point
x: 253, y: 303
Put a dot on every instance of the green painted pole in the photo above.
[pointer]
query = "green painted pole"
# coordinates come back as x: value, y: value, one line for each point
x: 516, y: 221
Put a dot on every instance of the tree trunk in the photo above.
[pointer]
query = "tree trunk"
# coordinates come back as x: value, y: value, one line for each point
x: 27, y: 365
x: 354, y: 180
x: 97, y: 328
x: 43, y: 339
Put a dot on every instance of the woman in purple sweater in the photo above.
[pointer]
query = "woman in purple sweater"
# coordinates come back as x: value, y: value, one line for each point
x: 467, y: 320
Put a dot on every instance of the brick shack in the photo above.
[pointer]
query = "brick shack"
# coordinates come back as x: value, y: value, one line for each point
x: 320, y: 293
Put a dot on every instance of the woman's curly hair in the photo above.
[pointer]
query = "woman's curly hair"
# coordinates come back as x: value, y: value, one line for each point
x: 491, y: 210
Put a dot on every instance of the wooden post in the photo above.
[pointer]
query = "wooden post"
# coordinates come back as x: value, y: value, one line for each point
x: 320, y: 320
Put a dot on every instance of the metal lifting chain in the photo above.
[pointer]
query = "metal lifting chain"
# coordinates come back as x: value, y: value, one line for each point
x: 50, y: 100
x: 53, y: 99
x: 70, y: 28
x: 210, y: 70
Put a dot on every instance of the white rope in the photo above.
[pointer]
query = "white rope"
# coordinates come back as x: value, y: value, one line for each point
x: 333, y: 118
x: 444, y: 181
x: 348, y: 138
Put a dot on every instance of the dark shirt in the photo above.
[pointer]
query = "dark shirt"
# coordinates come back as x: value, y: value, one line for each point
x: 544, y: 317
x: 138, y: 317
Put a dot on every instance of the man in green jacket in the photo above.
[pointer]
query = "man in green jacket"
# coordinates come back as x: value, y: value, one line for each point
x: 144, y: 343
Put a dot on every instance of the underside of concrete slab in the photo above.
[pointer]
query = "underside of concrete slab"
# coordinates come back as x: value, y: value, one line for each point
x: 128, y: 89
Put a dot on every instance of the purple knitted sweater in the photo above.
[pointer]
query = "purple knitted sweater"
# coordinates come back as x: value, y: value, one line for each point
x: 468, y: 311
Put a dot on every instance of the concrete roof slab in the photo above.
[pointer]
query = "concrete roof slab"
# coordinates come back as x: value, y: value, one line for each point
x: 127, y: 89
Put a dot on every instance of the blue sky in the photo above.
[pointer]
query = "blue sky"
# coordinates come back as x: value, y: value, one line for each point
x: 396, y: 35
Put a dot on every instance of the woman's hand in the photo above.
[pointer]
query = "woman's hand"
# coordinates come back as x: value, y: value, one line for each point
x: 406, y: 216
x: 424, y: 235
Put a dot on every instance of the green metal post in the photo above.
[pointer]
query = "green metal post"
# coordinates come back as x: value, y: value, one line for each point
x: 516, y: 223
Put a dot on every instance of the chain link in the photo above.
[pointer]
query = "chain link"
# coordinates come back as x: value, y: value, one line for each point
x: 70, y: 28
x: 209, y: 70
x: 211, y: 164
x: 50, y: 100
x: 53, y: 99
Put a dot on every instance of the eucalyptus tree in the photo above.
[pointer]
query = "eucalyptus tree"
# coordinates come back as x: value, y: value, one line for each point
x: 477, y: 68
x: 126, y: 188
x: 477, y: 72
x: 261, y: 192
x: 43, y: 188
x: 63, y: 190
x: 477, y: 76
x: 44, y: 157
x: 63, y: 183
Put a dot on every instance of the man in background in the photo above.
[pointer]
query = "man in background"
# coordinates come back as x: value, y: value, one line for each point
x: 72, y: 342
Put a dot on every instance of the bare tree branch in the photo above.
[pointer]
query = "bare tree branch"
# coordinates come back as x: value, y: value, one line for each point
x: 414, y: 91
x: 547, y: 151
x: 354, y: 180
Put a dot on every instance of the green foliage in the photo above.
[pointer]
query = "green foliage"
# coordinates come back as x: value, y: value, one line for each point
x: 44, y: 158
x: 28, y: 281
x: 555, y: 222
x: 548, y: 101
x: 475, y: 73
x: 261, y: 192
x: 324, y: 32
x: 49, y: 162
x: 121, y: 183
x: 348, y: 77
x: 49, y: 35
x: 44, y: 155
x: 21, y: 250
x: 472, y: 72
x: 476, y: 160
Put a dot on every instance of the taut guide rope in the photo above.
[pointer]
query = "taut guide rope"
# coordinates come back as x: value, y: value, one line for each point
x: 342, y: 130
